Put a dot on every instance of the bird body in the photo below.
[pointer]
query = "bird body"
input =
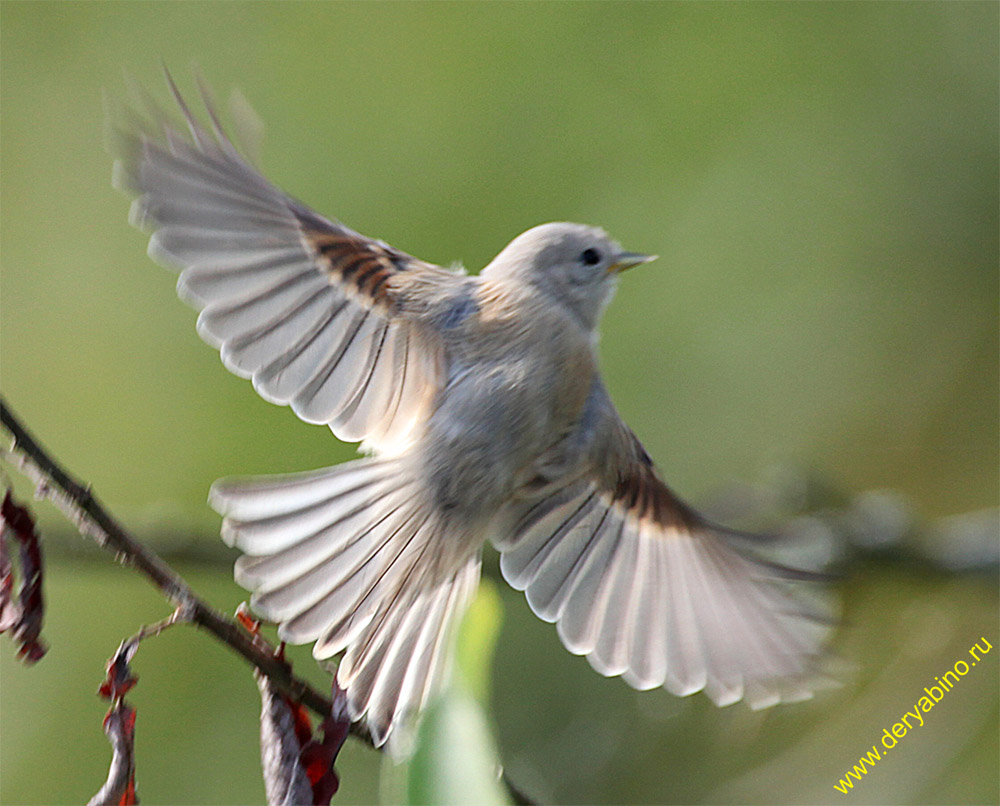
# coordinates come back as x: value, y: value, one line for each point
x: 490, y: 425
x: 479, y: 402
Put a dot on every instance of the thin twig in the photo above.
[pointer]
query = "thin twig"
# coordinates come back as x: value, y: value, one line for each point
x: 79, y: 504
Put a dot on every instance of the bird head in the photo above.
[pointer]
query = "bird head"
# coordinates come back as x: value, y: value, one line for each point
x: 575, y: 265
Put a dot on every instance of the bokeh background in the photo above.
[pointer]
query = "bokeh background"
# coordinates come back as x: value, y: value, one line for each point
x: 814, y: 353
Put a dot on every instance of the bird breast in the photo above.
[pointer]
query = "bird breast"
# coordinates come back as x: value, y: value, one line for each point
x: 515, y: 386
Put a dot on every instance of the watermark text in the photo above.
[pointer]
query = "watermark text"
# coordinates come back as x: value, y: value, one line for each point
x: 914, y: 717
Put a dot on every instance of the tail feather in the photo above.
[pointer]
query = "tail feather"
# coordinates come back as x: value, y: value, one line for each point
x: 399, y: 660
x: 391, y: 577
x: 352, y: 558
x: 261, y: 497
x: 337, y: 593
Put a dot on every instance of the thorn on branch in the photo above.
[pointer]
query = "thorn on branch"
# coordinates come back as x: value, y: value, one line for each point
x: 252, y: 625
x: 23, y: 617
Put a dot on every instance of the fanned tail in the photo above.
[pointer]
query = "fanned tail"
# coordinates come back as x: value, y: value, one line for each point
x: 352, y: 558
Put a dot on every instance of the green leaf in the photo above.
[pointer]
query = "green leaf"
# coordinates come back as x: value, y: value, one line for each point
x: 455, y: 761
x: 477, y: 640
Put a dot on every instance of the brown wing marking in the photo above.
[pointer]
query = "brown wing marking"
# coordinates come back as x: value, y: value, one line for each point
x: 363, y: 264
x: 639, y: 490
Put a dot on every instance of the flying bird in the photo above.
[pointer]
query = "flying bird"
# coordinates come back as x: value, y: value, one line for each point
x: 482, y: 417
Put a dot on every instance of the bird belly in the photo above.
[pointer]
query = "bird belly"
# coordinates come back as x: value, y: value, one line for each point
x: 485, y: 429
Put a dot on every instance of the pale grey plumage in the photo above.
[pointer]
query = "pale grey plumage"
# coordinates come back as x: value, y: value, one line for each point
x: 482, y: 403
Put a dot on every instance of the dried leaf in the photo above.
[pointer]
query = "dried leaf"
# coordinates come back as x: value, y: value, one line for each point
x: 10, y: 610
x: 298, y: 768
x: 119, y: 789
x: 318, y: 757
x: 17, y: 521
x: 119, y: 678
x: 285, y: 780
x: 303, y: 725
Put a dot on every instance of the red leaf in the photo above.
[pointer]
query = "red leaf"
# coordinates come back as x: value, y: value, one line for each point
x: 17, y: 520
x: 10, y: 610
x: 303, y: 725
x: 119, y: 679
x: 318, y: 757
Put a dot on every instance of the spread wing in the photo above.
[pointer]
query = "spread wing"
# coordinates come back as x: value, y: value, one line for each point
x: 645, y: 588
x: 309, y: 309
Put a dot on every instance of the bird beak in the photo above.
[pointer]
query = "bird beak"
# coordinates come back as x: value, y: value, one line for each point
x: 626, y: 260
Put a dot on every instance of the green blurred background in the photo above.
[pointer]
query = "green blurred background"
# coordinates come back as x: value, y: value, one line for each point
x: 817, y: 343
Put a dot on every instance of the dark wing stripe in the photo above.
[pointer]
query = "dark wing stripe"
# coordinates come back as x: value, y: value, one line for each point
x: 352, y: 265
x: 376, y: 290
x: 641, y: 492
x: 371, y: 267
x: 363, y: 264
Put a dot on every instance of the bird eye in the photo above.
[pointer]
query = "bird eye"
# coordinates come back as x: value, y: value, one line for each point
x: 591, y: 257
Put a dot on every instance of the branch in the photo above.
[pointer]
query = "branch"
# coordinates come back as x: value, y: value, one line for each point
x: 78, y: 503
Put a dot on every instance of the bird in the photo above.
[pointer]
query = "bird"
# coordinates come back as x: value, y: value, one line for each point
x: 482, y: 418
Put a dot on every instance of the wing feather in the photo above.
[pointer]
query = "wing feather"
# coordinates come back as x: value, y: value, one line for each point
x: 645, y: 588
x: 312, y: 311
